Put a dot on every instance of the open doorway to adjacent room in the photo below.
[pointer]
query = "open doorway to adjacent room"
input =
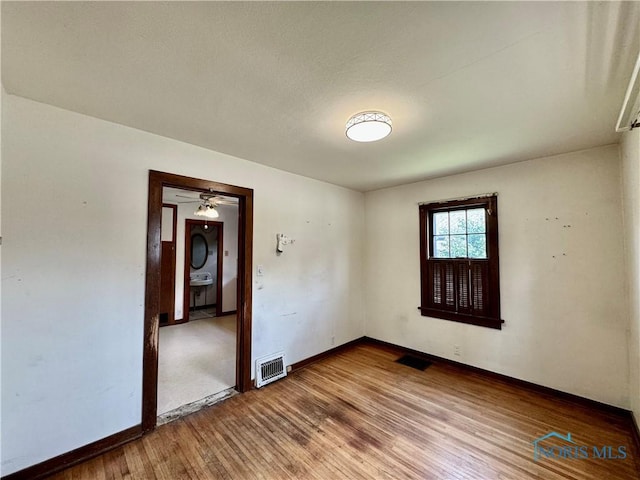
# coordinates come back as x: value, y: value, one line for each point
x: 199, y: 270
x: 200, y: 336
x: 204, y: 256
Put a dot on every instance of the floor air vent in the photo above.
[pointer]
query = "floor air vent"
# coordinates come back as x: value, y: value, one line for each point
x: 269, y: 369
x: 414, y: 362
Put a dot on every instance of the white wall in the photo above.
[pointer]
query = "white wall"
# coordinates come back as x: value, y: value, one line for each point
x: 562, y: 288
x: 2, y: 97
x: 72, y: 360
x: 630, y: 151
x: 229, y: 217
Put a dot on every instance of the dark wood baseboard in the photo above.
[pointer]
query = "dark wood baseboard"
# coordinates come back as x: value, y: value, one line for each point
x: 512, y: 380
x: 636, y: 437
x: 230, y: 312
x: 325, y: 354
x: 320, y: 356
x: 177, y: 321
x: 202, y: 307
x: 59, y: 463
x: 636, y: 430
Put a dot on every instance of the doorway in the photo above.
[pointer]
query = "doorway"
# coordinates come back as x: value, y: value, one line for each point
x: 158, y: 180
x: 203, y: 257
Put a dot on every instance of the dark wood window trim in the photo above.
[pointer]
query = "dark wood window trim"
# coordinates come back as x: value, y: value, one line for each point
x: 472, y: 293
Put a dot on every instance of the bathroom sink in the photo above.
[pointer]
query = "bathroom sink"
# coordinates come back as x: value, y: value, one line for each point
x: 200, y: 279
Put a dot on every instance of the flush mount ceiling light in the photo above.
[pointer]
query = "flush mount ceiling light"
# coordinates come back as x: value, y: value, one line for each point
x: 368, y: 126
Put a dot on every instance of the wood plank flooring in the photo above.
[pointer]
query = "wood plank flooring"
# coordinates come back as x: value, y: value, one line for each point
x: 360, y: 415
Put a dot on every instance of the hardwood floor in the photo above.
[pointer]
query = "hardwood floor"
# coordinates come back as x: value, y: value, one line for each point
x: 360, y: 415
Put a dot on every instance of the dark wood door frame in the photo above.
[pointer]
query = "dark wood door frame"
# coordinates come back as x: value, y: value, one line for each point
x: 158, y: 180
x: 187, y: 264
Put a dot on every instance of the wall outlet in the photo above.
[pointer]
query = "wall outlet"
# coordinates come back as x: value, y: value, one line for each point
x: 333, y: 340
x: 456, y: 350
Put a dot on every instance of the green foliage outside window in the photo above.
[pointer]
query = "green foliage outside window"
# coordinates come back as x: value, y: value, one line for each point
x: 460, y: 234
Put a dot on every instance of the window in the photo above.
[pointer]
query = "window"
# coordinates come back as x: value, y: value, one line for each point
x: 459, y: 261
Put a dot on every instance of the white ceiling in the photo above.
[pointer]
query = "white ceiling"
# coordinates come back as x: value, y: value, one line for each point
x: 468, y: 85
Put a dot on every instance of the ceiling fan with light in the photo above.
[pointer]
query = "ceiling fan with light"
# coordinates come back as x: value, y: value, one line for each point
x: 208, y: 204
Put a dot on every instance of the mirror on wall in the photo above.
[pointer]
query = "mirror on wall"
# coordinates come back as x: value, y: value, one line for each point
x: 199, y: 251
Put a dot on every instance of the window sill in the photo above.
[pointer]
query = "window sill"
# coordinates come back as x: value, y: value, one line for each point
x: 462, y: 318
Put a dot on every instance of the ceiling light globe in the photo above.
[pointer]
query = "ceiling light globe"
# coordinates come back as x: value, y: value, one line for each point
x: 211, y: 213
x: 208, y: 211
x: 368, y: 126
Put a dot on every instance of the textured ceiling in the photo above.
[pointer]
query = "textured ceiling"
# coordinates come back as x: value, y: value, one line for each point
x: 468, y: 85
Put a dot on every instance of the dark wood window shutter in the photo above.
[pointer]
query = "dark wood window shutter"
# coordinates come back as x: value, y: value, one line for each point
x: 436, y: 278
x: 462, y: 274
x: 479, y: 275
x: 449, y: 285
